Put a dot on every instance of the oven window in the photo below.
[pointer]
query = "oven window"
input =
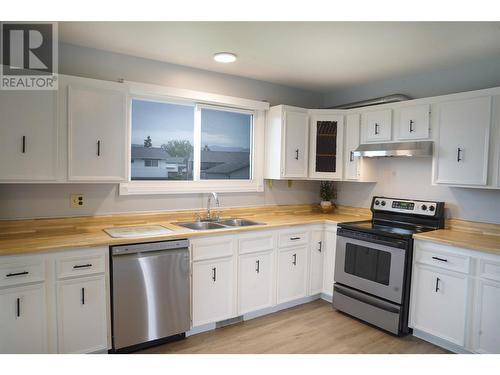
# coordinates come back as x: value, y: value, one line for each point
x: 367, y: 263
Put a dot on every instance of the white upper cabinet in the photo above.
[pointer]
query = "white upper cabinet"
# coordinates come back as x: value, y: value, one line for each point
x: 413, y: 122
x: 97, y: 131
x: 28, y: 135
x: 376, y: 126
x: 326, y: 145
x: 351, y: 163
x: 463, y: 140
x: 287, y: 153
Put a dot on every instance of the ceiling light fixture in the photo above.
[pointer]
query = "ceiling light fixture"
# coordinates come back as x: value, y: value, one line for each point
x: 225, y: 57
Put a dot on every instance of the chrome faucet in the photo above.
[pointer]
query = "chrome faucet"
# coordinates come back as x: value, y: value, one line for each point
x: 209, y: 203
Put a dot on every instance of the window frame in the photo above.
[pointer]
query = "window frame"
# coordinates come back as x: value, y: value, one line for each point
x: 215, y: 102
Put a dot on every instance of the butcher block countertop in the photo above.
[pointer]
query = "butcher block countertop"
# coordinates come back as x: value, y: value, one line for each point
x: 466, y: 234
x: 42, y: 235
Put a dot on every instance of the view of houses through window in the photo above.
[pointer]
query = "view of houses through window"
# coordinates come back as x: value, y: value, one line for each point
x: 163, y: 142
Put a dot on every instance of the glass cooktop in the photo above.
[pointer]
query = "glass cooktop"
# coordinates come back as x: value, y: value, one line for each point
x: 393, y: 230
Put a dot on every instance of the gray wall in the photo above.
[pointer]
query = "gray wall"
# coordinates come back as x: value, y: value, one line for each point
x: 475, y: 75
x: 93, y: 63
x: 411, y: 178
x: 38, y: 200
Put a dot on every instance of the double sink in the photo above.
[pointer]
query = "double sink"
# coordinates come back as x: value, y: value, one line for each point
x: 218, y: 224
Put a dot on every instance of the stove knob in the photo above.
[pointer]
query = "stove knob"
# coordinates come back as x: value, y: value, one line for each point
x: 424, y: 207
x: 432, y: 208
x: 383, y: 203
x: 377, y: 203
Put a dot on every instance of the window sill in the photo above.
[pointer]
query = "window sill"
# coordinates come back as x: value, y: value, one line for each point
x: 190, y: 187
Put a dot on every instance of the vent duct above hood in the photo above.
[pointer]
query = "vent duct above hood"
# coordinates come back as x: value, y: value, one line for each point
x: 408, y: 149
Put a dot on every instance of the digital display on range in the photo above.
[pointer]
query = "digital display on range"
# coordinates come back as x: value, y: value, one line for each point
x: 403, y: 205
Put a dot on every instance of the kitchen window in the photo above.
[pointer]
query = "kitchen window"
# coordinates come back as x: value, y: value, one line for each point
x: 181, y: 146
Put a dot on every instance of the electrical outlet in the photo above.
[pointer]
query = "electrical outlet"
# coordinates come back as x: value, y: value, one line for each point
x: 77, y: 200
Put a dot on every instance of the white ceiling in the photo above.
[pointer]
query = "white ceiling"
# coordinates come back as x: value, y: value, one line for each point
x: 317, y: 56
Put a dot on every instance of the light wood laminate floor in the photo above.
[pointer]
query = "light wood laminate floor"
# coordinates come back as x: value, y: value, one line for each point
x: 310, y: 328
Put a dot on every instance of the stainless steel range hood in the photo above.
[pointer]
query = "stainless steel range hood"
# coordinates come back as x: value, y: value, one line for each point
x: 409, y: 149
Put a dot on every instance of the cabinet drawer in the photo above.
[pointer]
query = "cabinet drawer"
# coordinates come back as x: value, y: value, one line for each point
x: 21, y: 270
x: 442, y: 259
x: 255, y: 243
x: 489, y: 269
x: 80, y: 265
x: 294, y: 238
x: 211, y: 248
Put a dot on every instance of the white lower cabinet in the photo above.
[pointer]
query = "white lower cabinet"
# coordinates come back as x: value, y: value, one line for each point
x: 439, y: 303
x: 55, y: 302
x: 292, y: 273
x: 487, y: 311
x: 255, y: 281
x: 82, y: 315
x: 456, y: 309
x: 213, y: 290
x: 316, y: 262
x: 23, y: 319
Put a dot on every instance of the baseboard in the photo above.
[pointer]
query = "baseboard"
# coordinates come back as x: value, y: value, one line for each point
x: 326, y: 297
x: 259, y: 313
x: 454, y: 348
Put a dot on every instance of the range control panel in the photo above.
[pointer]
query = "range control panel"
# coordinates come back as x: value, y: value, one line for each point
x: 404, y: 206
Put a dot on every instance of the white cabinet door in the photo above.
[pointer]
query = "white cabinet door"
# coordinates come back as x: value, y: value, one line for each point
x: 81, y: 315
x: 213, y: 290
x: 28, y: 135
x: 255, y: 281
x: 23, y: 320
x: 487, y: 312
x: 296, y: 144
x: 462, y: 149
x: 329, y: 246
x: 292, y: 273
x: 316, y: 263
x: 438, y: 304
x: 414, y: 122
x: 326, y: 146
x: 351, y: 165
x: 376, y: 126
x: 97, y: 139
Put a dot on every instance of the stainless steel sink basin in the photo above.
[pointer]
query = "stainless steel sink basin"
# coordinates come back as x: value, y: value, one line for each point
x: 238, y: 222
x: 227, y: 223
x: 201, y: 225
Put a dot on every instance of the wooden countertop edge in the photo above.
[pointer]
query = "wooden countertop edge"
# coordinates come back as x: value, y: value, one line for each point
x: 106, y: 240
x: 472, y: 243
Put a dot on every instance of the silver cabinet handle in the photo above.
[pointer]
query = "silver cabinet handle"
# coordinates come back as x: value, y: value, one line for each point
x: 77, y: 266
x: 214, y: 274
x: 17, y: 274
x: 257, y: 266
x: 99, y: 147
x: 440, y: 259
x: 437, y: 284
x: 351, y: 156
x: 18, y: 307
x: 376, y: 128
x: 297, y: 154
x: 320, y: 246
x: 24, y: 144
x: 294, y: 238
x: 411, y: 126
x: 459, y: 150
x: 83, y: 296
x: 294, y: 261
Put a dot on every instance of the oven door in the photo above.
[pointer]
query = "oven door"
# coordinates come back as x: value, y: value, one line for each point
x: 373, y: 268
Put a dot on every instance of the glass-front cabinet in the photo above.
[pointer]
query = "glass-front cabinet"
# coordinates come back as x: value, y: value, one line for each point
x: 326, y: 145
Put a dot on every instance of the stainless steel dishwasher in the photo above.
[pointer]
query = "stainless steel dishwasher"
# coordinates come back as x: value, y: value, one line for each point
x: 150, y: 293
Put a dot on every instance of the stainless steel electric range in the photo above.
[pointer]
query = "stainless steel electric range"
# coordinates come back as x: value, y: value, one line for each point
x: 373, y: 261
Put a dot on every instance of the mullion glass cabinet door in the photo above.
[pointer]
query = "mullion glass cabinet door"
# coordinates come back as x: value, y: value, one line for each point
x: 326, y: 146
